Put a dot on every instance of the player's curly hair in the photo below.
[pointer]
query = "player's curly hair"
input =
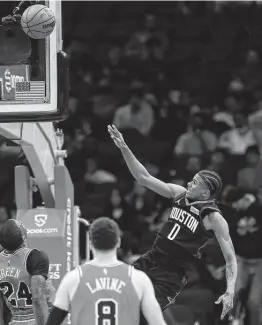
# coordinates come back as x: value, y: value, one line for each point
x: 104, y: 234
x: 213, y: 181
x: 11, y: 235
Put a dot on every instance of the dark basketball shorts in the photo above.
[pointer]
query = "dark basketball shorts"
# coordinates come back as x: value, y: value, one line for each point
x: 167, y: 280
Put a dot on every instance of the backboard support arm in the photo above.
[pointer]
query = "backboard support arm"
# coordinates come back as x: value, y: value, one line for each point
x: 42, y: 146
x: 39, y: 174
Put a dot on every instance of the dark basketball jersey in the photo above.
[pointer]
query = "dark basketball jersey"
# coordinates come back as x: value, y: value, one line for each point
x: 105, y: 295
x: 15, y: 281
x: 184, y: 227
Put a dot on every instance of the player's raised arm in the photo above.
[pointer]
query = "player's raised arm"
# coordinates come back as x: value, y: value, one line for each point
x: 139, y: 172
x: 149, y: 305
x: 220, y: 227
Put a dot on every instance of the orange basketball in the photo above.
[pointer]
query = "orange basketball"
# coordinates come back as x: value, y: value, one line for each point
x: 38, y: 21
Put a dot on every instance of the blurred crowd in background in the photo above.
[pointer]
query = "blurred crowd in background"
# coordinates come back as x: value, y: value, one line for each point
x: 182, y: 82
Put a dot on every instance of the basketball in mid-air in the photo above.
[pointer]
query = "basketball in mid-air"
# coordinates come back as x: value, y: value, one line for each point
x: 38, y: 21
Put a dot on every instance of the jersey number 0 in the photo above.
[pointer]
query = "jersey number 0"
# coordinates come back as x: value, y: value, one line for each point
x: 174, y: 231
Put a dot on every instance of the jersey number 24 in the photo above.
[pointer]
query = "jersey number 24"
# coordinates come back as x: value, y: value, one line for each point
x: 14, y: 298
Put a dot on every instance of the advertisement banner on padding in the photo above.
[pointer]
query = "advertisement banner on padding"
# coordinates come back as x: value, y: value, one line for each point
x: 44, y: 222
x: 55, y: 232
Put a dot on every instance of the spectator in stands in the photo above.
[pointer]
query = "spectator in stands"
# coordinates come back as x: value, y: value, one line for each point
x: 238, y: 139
x: 193, y: 166
x: 122, y: 211
x: 250, y: 72
x: 219, y: 162
x: 197, y: 140
x: 255, y: 122
x: 97, y: 175
x: 244, y: 217
x: 148, y: 42
x: 246, y: 176
x: 232, y: 104
x: 164, y: 130
x: 137, y: 114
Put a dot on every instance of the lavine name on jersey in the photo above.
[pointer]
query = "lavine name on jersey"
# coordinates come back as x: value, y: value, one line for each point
x: 9, y: 272
x: 106, y: 283
x: 185, y: 218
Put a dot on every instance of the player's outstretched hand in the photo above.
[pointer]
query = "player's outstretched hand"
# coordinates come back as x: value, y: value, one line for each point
x: 227, y: 299
x: 116, y: 136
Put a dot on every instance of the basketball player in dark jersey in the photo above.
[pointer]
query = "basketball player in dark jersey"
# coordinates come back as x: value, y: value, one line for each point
x: 23, y: 277
x: 105, y: 290
x: 194, y: 219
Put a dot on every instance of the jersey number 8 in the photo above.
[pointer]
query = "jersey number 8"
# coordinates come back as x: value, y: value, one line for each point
x: 23, y: 293
x: 106, y: 312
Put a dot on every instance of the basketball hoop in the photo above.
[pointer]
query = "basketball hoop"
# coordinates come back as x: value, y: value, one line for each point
x: 29, y: 104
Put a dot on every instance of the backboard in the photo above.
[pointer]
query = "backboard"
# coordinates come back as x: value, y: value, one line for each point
x: 34, y: 80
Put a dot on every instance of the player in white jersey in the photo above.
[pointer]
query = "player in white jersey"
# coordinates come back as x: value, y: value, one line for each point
x: 105, y: 290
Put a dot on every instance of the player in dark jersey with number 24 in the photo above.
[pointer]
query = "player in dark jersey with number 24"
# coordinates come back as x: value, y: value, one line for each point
x: 194, y: 219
